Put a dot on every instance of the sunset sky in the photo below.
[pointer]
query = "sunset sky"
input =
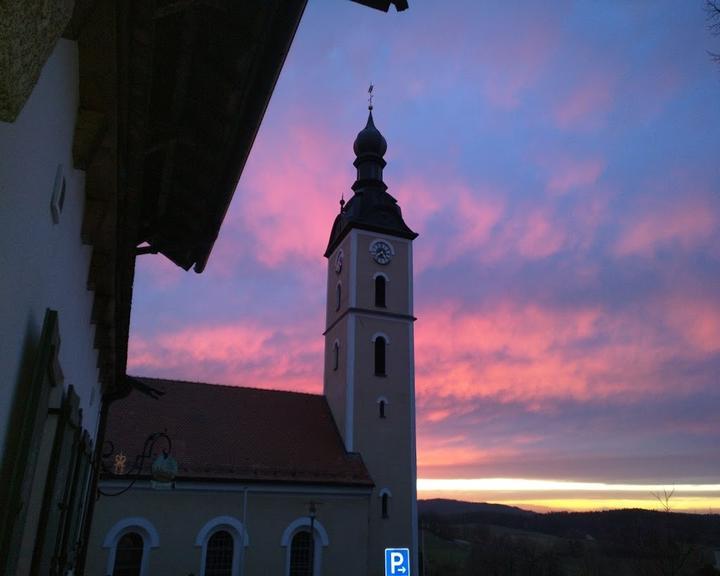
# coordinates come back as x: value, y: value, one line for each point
x: 561, y: 162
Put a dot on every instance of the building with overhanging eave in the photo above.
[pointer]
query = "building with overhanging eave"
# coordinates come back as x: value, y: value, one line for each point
x: 271, y: 482
x: 104, y: 107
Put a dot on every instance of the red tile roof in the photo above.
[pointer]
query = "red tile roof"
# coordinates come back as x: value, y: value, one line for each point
x: 232, y: 433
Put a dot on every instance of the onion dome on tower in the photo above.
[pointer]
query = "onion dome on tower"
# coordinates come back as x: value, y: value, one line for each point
x: 369, y: 141
x: 371, y: 207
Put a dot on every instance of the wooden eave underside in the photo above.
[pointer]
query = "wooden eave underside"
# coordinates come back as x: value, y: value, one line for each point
x: 172, y: 94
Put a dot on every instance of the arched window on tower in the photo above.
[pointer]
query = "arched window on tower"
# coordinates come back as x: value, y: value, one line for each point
x: 219, y: 554
x: 385, y: 503
x: 336, y: 355
x: 129, y: 555
x: 382, y: 406
x: 380, y: 285
x: 338, y: 294
x: 380, y: 345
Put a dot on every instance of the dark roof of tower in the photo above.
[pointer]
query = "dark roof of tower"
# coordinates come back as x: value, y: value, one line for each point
x: 371, y: 207
x: 231, y: 433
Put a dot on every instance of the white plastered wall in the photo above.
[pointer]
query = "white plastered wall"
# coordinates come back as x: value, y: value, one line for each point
x: 45, y: 265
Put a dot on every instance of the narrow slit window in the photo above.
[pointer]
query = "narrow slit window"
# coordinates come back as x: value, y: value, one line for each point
x: 380, y: 356
x: 338, y: 294
x: 380, y: 284
x: 381, y: 406
x: 336, y: 355
x: 385, y: 504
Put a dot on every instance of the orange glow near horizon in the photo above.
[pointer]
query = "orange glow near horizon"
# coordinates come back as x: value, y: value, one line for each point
x: 556, y: 495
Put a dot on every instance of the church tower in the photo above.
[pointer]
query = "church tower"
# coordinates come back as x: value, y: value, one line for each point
x: 369, y: 377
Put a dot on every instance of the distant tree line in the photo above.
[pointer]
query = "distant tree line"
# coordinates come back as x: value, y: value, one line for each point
x: 613, y: 543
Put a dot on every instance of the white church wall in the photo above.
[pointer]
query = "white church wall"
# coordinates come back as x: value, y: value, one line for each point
x: 43, y: 263
x: 179, y: 515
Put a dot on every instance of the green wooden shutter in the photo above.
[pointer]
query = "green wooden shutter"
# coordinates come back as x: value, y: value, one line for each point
x: 55, y: 518
x: 70, y: 545
x: 25, y: 429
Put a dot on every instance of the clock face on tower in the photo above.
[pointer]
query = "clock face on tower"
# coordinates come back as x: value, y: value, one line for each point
x: 381, y: 251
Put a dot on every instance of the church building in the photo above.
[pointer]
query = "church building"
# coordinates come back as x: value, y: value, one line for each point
x: 237, y: 480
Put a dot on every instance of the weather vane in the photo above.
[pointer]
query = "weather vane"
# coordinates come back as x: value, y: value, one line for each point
x: 370, y: 90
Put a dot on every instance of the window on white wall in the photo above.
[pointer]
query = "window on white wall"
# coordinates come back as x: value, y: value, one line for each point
x: 129, y: 543
x: 129, y: 555
x: 304, y: 549
x: 336, y: 355
x: 219, y: 554
x: 222, y: 540
x: 301, y: 554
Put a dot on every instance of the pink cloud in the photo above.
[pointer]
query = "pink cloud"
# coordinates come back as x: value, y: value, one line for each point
x: 587, y: 103
x: 541, y: 236
x: 159, y: 271
x: 245, y: 354
x: 689, y: 219
x: 290, y: 192
x: 472, y: 214
x: 514, y: 352
x: 439, y: 452
x: 567, y: 174
x: 477, y: 222
x: 697, y: 320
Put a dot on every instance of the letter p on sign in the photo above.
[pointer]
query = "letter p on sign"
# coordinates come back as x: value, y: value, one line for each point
x: 397, y: 562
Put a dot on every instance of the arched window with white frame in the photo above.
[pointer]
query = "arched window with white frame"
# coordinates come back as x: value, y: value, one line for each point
x: 380, y: 289
x: 222, y: 540
x: 129, y: 555
x: 380, y: 343
x: 129, y: 543
x: 303, y: 548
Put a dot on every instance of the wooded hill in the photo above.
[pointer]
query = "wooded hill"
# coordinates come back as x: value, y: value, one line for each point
x: 465, y: 538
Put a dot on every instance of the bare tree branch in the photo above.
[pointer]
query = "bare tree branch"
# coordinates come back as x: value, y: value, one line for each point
x: 712, y: 9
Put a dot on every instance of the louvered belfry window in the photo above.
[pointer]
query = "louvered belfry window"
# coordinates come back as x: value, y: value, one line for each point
x: 219, y: 555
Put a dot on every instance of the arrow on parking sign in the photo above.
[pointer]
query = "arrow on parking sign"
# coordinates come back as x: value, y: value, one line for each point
x: 397, y: 561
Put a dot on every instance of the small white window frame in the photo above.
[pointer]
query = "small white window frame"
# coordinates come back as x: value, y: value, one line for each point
x: 139, y: 525
x: 385, y: 492
x: 321, y: 540
x: 229, y: 524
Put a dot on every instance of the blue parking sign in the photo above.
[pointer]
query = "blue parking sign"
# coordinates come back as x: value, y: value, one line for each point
x: 397, y: 562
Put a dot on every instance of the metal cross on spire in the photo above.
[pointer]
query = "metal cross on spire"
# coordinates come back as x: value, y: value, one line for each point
x: 370, y: 90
